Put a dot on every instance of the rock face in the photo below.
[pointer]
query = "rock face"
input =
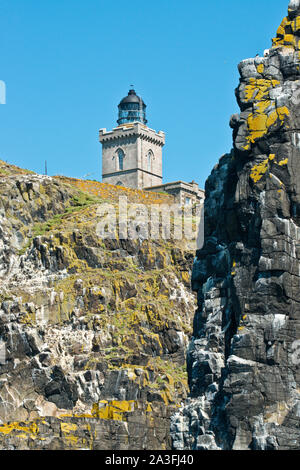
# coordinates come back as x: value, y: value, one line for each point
x: 243, y: 360
x: 93, y: 332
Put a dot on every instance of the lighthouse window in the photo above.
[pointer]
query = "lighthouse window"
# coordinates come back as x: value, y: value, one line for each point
x: 149, y: 160
x: 121, y: 159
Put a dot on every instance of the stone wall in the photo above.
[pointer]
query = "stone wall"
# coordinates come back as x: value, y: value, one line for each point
x: 136, y: 140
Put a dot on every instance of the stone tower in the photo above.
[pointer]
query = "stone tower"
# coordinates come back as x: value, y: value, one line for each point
x: 132, y: 152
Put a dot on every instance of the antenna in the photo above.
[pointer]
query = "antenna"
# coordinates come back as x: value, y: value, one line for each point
x: 46, y: 171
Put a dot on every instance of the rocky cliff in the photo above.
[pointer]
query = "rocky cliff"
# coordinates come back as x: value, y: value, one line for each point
x: 93, y: 332
x: 243, y: 360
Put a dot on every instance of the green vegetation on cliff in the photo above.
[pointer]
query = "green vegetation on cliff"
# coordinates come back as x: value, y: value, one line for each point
x: 95, y: 329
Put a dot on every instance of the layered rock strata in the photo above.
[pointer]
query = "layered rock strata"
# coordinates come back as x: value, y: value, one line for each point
x: 93, y: 331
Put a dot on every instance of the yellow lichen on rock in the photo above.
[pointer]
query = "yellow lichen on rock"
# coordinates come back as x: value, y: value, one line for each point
x: 233, y: 272
x: 260, y: 122
x: 259, y: 170
x: 259, y: 89
x: 110, y: 310
x: 260, y: 68
x: 113, y: 409
x: 283, y: 162
x: 264, y: 113
x: 29, y: 429
x: 288, y: 33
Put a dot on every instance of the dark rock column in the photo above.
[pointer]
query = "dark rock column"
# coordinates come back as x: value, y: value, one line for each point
x: 243, y: 361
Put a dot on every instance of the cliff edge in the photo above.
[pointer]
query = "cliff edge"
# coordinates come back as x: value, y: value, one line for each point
x: 243, y: 360
x: 93, y: 331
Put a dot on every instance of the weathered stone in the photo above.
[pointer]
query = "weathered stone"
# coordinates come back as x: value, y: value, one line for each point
x: 93, y: 332
x: 242, y: 362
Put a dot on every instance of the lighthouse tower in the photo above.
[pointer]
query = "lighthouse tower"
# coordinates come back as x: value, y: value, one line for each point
x: 132, y: 152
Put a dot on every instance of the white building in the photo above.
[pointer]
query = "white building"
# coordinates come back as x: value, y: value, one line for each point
x: 132, y: 154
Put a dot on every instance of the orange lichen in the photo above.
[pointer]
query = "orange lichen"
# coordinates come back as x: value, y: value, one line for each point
x: 112, y: 193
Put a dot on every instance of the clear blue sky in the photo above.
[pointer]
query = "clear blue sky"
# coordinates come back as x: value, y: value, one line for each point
x: 68, y: 63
